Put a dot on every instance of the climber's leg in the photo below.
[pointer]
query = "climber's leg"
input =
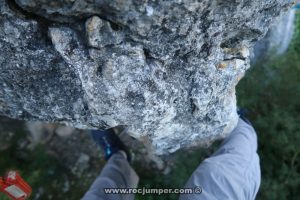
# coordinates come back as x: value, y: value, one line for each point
x: 232, y: 172
x: 117, y: 173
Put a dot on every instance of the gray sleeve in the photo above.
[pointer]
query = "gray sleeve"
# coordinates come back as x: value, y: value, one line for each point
x: 117, y: 173
x: 232, y: 172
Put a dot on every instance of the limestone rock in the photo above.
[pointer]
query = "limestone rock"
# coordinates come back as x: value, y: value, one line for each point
x: 100, y: 33
x: 165, y: 69
x: 278, y: 38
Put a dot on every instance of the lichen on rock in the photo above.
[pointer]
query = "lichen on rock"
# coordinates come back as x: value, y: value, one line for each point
x: 167, y: 70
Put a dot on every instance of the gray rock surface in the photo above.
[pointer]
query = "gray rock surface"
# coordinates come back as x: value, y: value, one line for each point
x: 165, y: 69
x: 277, y: 39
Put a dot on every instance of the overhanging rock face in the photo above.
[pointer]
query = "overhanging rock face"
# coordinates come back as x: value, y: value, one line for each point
x: 165, y: 69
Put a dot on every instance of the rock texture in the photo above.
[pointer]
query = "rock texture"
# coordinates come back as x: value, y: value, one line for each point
x: 165, y: 69
x: 277, y: 39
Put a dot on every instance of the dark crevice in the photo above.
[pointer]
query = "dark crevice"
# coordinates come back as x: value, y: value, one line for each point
x: 247, y: 33
x: 44, y: 23
x: 93, y: 47
x: 191, y: 79
x: 115, y: 26
x: 205, y: 49
x: 193, y: 106
x: 236, y: 57
x: 99, y: 70
x: 147, y: 54
x: 204, y: 18
x: 28, y: 15
x: 231, y: 42
x: 149, y: 58
x: 269, y: 9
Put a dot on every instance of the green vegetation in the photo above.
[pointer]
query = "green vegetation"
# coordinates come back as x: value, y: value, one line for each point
x: 185, y: 162
x: 271, y: 92
x: 45, y: 174
x: 37, y: 167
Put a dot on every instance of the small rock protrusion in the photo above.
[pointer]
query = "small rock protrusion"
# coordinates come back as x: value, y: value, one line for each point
x: 82, y: 164
x: 242, y: 52
x: 64, y: 131
x: 100, y: 33
x: 222, y: 65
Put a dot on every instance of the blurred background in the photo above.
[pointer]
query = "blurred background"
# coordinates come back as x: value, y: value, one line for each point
x: 61, y: 162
